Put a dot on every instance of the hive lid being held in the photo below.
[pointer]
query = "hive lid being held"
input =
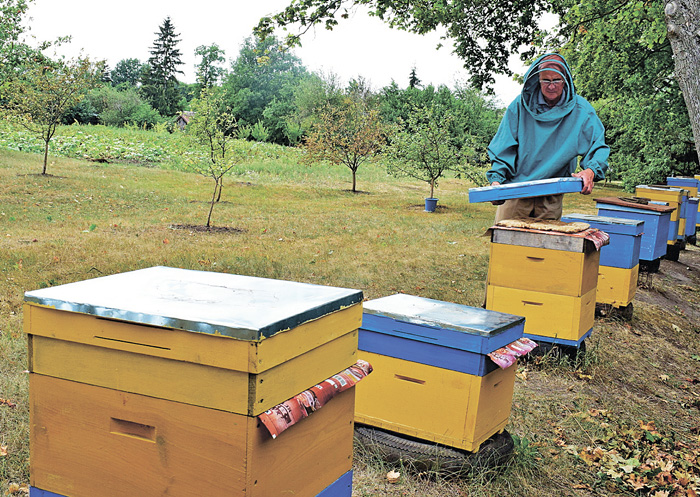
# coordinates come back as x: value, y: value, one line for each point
x: 526, y: 189
x: 243, y: 307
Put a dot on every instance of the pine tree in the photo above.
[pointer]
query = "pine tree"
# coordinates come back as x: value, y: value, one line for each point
x: 413, y: 81
x: 159, y: 79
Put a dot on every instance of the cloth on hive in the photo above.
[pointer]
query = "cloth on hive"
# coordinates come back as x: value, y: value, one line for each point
x: 508, y: 355
x: 289, y: 412
x: 552, y: 227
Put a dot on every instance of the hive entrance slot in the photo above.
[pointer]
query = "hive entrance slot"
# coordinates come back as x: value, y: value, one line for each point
x: 131, y: 343
x: 132, y: 429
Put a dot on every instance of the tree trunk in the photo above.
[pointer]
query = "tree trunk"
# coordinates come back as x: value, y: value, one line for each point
x: 46, y: 156
x: 354, y: 180
x: 432, y: 187
x: 221, y: 187
x: 683, y: 24
x: 213, y: 201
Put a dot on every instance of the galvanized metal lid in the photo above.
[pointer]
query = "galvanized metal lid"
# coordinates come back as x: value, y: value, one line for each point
x: 444, y: 315
x: 242, y: 307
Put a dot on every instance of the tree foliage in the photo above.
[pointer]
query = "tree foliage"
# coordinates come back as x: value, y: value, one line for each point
x: 485, y: 33
x: 349, y: 133
x: 214, y: 128
x: 15, y: 54
x: 127, y: 73
x: 423, y: 148
x: 120, y: 107
x: 208, y: 70
x: 43, y: 94
x: 263, y: 75
x: 159, y: 78
x: 473, y: 122
x: 623, y: 62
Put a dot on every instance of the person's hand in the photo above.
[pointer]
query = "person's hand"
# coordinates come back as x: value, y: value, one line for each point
x: 587, y: 176
x: 497, y: 202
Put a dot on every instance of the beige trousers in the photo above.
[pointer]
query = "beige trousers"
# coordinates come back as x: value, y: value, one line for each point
x: 547, y: 207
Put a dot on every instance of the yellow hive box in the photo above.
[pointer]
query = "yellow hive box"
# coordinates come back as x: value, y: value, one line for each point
x: 543, y: 270
x: 149, y: 383
x: 559, y: 317
x: 88, y: 441
x: 233, y: 367
x: 431, y: 403
x: 672, y: 196
x: 617, y: 286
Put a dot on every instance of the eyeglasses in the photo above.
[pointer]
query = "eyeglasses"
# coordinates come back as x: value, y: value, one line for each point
x: 555, y: 82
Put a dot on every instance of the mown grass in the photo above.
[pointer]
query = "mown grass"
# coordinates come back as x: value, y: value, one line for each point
x: 88, y: 219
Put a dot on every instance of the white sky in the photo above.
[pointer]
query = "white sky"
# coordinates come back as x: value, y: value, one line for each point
x: 359, y: 46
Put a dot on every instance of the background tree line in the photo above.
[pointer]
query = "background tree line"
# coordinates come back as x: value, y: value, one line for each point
x: 621, y: 55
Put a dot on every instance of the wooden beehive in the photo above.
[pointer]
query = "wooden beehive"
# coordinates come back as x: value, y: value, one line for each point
x: 550, y: 278
x: 619, y: 260
x: 149, y: 383
x: 674, y: 197
x: 656, y: 222
x: 432, y: 377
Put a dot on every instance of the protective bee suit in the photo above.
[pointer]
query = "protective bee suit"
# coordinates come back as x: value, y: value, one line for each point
x: 537, y: 140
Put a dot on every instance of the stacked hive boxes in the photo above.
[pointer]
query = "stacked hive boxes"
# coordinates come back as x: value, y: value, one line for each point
x: 676, y: 198
x: 618, y: 270
x: 690, y: 184
x: 432, y: 377
x: 150, y: 383
x: 656, y: 218
x: 550, y: 278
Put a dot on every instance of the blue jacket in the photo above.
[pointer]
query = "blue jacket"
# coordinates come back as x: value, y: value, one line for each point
x: 535, y: 141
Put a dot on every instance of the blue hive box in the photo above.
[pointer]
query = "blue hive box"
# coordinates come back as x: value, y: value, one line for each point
x: 657, y: 220
x: 687, y: 182
x: 526, y: 189
x: 625, y: 238
x: 435, y: 333
x: 692, y: 219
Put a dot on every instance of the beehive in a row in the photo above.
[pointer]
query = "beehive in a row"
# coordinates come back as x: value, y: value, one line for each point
x: 618, y: 269
x: 150, y: 383
x: 550, y: 278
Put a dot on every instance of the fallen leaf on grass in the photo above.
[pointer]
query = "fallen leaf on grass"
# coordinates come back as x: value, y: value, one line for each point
x: 393, y: 476
x: 3, y: 450
x: 664, y: 377
x: 7, y: 403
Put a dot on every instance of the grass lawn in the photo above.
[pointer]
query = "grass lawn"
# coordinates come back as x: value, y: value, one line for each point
x: 87, y: 219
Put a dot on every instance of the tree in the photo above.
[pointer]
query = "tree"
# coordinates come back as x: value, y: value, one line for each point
x: 159, y: 79
x: 44, y: 93
x: 486, y: 33
x: 118, y: 107
x: 423, y: 149
x: 208, y: 72
x: 127, y: 72
x: 15, y: 54
x: 263, y: 73
x: 350, y: 134
x: 213, y: 128
x: 623, y: 63
x: 413, y: 80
